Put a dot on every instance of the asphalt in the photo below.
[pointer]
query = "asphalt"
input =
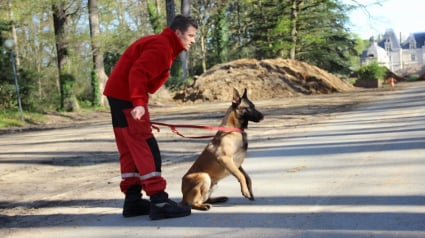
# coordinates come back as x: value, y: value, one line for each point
x: 358, y: 174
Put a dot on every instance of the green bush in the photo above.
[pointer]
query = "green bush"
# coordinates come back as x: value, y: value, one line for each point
x: 372, y: 71
x: 412, y: 77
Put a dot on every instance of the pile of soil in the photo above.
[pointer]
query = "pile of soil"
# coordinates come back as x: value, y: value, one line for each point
x: 264, y: 79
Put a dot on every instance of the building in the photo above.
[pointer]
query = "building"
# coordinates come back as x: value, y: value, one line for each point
x: 396, y: 56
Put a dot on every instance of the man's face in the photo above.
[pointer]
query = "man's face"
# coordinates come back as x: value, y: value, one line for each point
x: 187, y: 38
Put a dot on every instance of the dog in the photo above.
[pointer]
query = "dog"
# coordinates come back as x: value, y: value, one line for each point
x: 223, y: 155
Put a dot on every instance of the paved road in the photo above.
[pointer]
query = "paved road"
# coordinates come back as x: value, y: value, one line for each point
x: 358, y: 174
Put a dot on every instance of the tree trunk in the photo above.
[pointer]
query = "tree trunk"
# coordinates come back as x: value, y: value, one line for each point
x: 170, y: 10
x: 99, y: 77
x: 203, y: 43
x: 294, y: 31
x: 185, y: 9
x: 68, y: 100
x: 14, y: 36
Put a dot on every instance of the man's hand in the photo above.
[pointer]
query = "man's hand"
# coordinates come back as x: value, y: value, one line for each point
x: 138, y: 112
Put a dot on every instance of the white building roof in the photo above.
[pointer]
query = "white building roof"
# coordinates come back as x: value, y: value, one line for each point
x: 377, y: 52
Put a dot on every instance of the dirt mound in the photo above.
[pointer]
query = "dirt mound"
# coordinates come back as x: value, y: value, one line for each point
x: 265, y: 79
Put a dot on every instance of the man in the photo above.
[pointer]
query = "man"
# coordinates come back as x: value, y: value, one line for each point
x: 143, y: 68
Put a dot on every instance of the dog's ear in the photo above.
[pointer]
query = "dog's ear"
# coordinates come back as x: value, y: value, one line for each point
x: 244, y: 94
x: 236, y: 96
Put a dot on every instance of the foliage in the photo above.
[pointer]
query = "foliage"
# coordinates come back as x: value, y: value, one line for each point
x: 271, y: 31
x: 155, y: 18
x: 110, y: 59
x: 13, y: 119
x: 96, y: 97
x: 10, y: 119
x: 6, y: 77
x: 175, y: 82
x: 26, y: 82
x: 28, y: 89
x: 218, y: 52
x: 413, y: 77
x: 372, y: 71
x: 228, y: 30
x: 324, y: 41
x: 68, y: 102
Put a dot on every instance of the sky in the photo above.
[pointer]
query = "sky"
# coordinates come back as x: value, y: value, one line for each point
x: 403, y: 16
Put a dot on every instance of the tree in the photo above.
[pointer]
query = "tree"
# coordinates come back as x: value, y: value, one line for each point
x: 155, y: 16
x: 205, y: 11
x: 98, y: 75
x: 308, y: 30
x: 6, y: 77
x: 238, y: 19
x: 295, y: 8
x: 170, y: 9
x: 14, y: 36
x: 185, y: 10
x: 323, y: 39
x: 52, y: 59
x: 257, y: 28
x: 61, y: 17
x: 218, y: 52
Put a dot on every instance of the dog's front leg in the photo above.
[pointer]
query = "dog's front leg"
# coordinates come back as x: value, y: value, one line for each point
x: 248, y: 183
x: 227, y: 163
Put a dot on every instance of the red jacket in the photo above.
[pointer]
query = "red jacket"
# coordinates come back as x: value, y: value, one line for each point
x: 143, y: 67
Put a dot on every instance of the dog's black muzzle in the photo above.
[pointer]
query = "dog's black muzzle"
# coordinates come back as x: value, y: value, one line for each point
x: 256, y: 117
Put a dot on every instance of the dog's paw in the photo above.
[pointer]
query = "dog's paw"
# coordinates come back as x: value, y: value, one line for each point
x: 250, y: 197
x: 201, y: 206
x: 247, y: 194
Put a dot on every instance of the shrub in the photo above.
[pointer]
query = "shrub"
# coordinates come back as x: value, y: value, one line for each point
x: 372, y: 71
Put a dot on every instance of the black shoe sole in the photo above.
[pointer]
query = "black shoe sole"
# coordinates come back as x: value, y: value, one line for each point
x: 159, y: 216
x: 134, y: 214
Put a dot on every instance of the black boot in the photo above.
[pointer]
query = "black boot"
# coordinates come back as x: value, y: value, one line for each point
x: 134, y: 205
x: 162, y: 207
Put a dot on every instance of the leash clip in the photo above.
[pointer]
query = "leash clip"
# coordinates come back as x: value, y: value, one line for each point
x: 156, y: 128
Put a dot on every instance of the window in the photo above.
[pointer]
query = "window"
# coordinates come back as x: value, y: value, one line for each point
x: 412, y: 44
x: 387, y: 45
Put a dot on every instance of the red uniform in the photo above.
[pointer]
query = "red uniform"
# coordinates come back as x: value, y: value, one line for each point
x: 143, y: 68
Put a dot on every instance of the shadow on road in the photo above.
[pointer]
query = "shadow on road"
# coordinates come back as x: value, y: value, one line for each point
x: 394, y: 221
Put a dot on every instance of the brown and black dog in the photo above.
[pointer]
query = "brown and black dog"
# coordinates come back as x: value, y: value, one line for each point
x: 222, y: 156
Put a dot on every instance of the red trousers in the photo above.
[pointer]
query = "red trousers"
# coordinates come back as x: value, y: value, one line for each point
x: 140, y: 158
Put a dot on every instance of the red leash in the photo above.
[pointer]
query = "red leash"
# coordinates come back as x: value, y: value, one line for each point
x: 173, y: 128
x: 212, y: 128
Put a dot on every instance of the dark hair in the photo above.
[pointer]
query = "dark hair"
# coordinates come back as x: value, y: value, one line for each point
x: 181, y: 23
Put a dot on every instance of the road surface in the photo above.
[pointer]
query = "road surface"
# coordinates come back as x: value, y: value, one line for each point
x: 358, y: 173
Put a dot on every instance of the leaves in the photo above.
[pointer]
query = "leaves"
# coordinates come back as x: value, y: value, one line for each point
x: 313, y: 31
